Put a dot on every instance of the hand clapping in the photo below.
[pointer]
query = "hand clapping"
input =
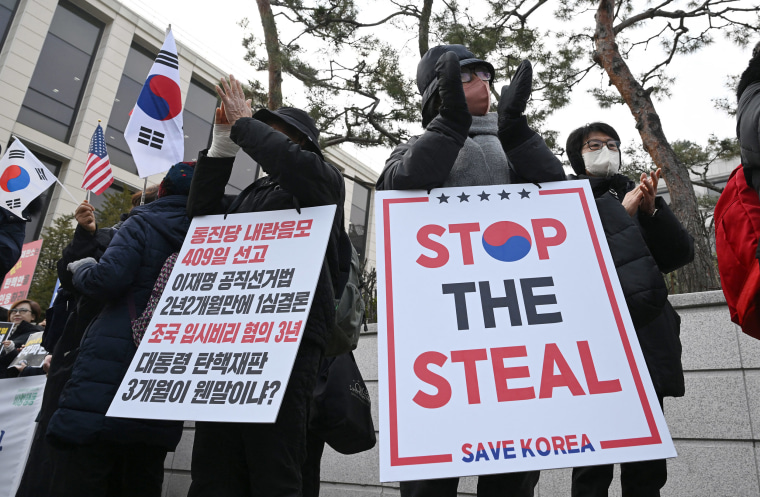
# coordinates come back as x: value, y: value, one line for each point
x: 648, y: 188
x: 234, y: 105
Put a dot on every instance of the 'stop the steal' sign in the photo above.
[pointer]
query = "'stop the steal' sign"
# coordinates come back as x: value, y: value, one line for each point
x: 505, y: 340
x: 222, y: 341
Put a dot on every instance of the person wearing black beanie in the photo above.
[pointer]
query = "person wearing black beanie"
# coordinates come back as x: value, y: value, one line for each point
x: 465, y: 144
x: 748, y: 119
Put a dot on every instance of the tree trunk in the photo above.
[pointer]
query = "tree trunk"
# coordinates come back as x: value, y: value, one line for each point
x: 423, y: 42
x: 700, y: 275
x: 272, y: 43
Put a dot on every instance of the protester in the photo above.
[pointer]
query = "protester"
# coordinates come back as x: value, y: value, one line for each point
x: 645, y: 240
x: 12, y: 233
x: 748, y: 120
x: 69, y: 317
x: 117, y: 456
x: 23, y: 314
x: 465, y: 145
x: 258, y: 458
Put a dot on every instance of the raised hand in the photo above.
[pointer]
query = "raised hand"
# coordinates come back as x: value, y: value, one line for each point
x: 514, y: 98
x: 453, y: 102
x: 233, y: 100
x: 85, y: 216
x: 632, y: 201
x: 648, y: 189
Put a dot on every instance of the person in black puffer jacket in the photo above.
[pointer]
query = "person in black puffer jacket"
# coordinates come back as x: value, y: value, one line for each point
x: 748, y: 121
x: 645, y: 240
x: 67, y: 321
x: 259, y: 458
x: 466, y: 145
x: 12, y: 232
x: 118, y: 456
x: 23, y: 314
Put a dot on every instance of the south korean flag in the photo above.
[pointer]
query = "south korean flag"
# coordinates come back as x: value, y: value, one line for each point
x: 154, y: 132
x: 22, y: 178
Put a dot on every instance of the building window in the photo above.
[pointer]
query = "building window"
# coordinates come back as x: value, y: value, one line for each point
x: 359, y: 219
x: 39, y: 206
x: 59, y: 79
x: 136, y: 69
x: 7, y: 10
x: 198, y: 119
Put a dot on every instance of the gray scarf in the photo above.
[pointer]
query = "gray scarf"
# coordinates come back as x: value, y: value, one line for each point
x: 482, y: 160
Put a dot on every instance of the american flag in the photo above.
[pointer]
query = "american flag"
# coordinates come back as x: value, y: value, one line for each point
x: 97, y: 175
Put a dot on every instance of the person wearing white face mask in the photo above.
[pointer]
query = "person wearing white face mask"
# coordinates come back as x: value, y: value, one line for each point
x: 645, y: 240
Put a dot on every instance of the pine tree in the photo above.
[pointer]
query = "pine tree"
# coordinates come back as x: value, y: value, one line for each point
x: 112, y: 208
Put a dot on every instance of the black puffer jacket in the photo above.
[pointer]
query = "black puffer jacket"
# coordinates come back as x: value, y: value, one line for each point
x: 642, y: 248
x: 125, y: 275
x: 12, y: 231
x: 748, y: 120
x: 296, y: 178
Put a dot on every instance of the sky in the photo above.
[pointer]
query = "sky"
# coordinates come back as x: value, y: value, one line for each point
x: 688, y: 115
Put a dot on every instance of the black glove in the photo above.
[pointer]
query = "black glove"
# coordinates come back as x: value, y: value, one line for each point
x: 514, y: 98
x: 453, y: 102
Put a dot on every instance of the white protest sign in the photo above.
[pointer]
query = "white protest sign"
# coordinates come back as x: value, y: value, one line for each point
x: 223, y: 339
x: 505, y: 343
x: 20, y: 400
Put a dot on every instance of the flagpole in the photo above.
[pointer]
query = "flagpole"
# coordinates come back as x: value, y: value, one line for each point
x: 87, y: 197
x: 67, y: 191
x: 145, y: 187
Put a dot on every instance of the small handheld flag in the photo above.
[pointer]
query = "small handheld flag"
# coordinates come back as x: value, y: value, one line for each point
x: 154, y: 132
x: 97, y: 175
x: 22, y: 178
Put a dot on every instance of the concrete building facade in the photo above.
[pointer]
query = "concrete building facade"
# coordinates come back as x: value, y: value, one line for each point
x: 65, y: 65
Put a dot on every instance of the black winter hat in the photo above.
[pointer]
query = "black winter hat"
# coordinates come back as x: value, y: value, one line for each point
x: 295, y: 118
x: 177, y: 180
x: 427, y: 82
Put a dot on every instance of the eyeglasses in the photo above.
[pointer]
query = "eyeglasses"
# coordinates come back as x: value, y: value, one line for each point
x: 612, y: 145
x: 481, y: 72
x: 19, y: 311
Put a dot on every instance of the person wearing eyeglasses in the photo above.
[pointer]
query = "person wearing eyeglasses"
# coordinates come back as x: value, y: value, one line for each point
x: 23, y: 314
x: 645, y: 240
x: 465, y: 144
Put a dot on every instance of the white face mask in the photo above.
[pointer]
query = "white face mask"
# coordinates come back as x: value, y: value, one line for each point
x: 603, y: 162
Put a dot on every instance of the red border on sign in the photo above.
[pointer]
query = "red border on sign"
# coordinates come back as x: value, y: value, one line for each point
x: 396, y: 460
x: 654, y: 434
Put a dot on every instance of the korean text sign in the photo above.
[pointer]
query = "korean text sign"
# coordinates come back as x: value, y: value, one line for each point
x: 503, y: 331
x: 20, y: 400
x: 222, y: 341
x: 19, y: 279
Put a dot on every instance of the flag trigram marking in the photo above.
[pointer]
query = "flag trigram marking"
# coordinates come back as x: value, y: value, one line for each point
x: 151, y: 137
x: 167, y: 59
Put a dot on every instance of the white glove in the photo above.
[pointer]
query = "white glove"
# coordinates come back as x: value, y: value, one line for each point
x: 73, y: 267
x: 8, y: 347
x: 221, y: 143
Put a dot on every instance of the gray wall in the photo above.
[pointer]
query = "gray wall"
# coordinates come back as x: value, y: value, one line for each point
x: 716, y: 426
